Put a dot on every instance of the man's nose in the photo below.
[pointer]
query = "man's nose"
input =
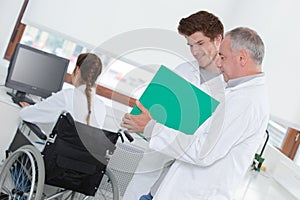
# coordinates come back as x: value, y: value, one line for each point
x: 218, y: 62
x: 193, y: 50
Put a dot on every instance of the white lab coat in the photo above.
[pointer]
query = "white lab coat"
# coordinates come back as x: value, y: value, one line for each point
x: 150, y: 166
x: 190, y: 71
x: 72, y: 100
x: 211, y: 163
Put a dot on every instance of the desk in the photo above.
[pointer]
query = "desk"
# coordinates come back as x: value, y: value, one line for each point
x: 9, y: 115
x: 9, y: 119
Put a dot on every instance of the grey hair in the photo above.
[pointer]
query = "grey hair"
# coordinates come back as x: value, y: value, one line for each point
x: 246, y: 38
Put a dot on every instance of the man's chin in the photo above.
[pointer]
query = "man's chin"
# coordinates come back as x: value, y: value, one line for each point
x: 224, y: 77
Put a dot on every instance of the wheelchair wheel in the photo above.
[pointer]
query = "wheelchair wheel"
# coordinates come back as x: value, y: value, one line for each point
x: 108, y: 189
x: 22, y: 175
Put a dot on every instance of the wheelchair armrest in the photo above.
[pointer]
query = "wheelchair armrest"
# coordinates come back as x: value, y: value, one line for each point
x: 128, y: 136
x: 37, y: 131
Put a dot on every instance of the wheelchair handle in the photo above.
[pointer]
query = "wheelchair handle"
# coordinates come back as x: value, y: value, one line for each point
x: 36, y: 130
x: 127, y: 135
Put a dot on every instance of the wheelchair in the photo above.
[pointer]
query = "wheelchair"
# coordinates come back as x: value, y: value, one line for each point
x: 73, y: 161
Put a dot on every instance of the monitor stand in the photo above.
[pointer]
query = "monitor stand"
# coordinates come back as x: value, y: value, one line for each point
x: 20, y: 96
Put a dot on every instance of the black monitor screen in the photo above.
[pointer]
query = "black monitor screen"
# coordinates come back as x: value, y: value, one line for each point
x: 36, y: 72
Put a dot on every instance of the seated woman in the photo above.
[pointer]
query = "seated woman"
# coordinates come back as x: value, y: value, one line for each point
x: 81, y: 101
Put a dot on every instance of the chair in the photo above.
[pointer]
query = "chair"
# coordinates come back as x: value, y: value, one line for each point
x: 74, y: 158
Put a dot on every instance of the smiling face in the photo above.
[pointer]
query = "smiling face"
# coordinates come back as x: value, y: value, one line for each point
x: 203, y: 48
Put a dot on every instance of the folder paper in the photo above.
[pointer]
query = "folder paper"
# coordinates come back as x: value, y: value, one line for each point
x: 175, y: 102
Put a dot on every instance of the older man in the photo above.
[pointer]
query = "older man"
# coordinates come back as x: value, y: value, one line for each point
x: 212, y: 162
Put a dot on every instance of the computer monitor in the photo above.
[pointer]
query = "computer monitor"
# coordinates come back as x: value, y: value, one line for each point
x: 36, y: 72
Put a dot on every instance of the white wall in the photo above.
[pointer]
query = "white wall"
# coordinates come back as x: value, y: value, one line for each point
x: 8, y: 16
x: 276, y: 21
x: 104, y: 20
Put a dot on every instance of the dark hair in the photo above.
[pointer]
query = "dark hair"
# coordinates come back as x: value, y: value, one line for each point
x: 202, y: 21
x: 90, y: 67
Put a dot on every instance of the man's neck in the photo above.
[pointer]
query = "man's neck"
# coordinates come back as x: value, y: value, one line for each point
x: 236, y: 81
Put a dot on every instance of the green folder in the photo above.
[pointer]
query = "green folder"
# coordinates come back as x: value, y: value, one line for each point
x: 175, y: 102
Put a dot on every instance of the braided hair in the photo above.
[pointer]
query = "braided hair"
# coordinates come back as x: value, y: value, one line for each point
x: 90, y: 68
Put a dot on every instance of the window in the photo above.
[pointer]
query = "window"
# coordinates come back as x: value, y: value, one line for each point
x: 117, y: 74
x: 40, y: 39
x: 277, y: 132
x: 53, y: 44
x: 119, y: 81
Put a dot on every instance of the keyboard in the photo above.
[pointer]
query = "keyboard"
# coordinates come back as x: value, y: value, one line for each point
x: 17, y: 100
x: 20, y: 98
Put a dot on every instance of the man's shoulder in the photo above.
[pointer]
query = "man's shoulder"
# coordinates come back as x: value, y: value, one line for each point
x: 192, y: 65
x: 187, y: 69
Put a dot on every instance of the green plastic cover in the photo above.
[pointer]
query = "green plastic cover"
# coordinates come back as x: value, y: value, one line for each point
x: 175, y: 102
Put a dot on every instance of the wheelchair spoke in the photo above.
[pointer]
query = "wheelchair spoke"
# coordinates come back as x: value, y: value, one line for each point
x: 19, y: 177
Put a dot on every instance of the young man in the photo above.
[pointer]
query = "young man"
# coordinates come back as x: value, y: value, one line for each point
x: 203, y: 32
x: 212, y: 162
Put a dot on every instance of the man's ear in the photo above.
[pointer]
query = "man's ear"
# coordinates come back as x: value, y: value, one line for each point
x: 218, y: 40
x: 243, y: 57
